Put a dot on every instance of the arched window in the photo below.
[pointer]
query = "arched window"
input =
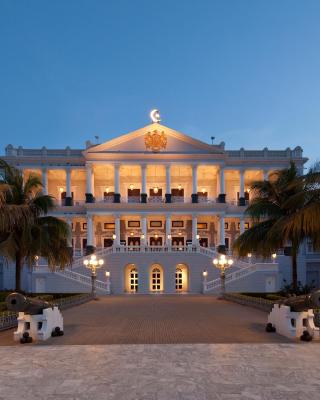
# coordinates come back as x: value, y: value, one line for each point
x: 179, y: 279
x: 133, y: 280
x: 156, y: 279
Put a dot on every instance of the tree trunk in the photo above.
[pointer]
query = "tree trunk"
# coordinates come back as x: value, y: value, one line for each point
x: 18, y: 271
x: 294, y: 269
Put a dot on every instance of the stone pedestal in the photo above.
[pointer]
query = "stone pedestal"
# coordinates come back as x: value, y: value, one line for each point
x: 90, y: 250
x: 69, y: 201
x: 194, y: 198
x: 221, y: 198
x: 40, y: 326
x: 221, y: 249
x: 89, y: 198
x: 292, y: 324
x: 143, y: 197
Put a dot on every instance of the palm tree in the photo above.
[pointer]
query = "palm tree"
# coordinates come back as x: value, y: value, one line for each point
x: 26, y: 231
x: 285, y: 209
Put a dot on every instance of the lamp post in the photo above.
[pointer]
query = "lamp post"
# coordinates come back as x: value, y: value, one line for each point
x: 274, y: 256
x: 93, y: 264
x: 108, y: 279
x: 204, y: 281
x: 222, y: 263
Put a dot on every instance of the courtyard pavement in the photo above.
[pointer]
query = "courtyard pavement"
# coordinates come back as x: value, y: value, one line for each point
x: 161, y: 372
x: 161, y: 348
x: 160, y: 319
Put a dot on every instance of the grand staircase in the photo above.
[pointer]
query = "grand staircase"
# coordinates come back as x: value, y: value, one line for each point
x: 81, y: 275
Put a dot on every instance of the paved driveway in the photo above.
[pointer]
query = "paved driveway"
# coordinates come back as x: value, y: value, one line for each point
x: 156, y: 319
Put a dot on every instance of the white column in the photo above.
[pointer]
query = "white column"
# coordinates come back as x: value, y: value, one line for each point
x: 117, y: 178
x: 241, y: 225
x: 89, y: 180
x: 221, y: 181
x: 69, y: 237
x: 117, y: 230
x: 194, y: 179
x: 222, y: 235
x: 45, y: 180
x: 68, y: 182
x: 194, y: 230
x: 90, y: 231
x: 144, y: 229
x: 168, y: 179
x: 143, y: 179
x: 241, y: 192
x: 168, y: 229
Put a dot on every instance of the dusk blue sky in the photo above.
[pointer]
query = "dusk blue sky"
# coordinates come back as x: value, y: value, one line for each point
x: 246, y: 72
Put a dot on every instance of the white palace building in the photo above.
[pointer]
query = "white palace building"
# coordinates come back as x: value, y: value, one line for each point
x: 156, y: 205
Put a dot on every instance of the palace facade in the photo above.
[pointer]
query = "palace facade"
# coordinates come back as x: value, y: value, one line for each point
x: 155, y: 203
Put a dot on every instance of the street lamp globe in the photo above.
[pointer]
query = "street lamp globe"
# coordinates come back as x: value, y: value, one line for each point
x: 93, y: 264
x: 222, y: 263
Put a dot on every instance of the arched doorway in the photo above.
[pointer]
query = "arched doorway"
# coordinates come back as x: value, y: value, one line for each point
x: 156, y: 278
x: 181, y: 278
x: 131, y: 279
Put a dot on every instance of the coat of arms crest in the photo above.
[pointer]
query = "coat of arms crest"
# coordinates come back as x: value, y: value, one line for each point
x: 155, y: 141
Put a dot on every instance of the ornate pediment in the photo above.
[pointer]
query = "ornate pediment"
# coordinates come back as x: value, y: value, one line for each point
x: 155, y: 140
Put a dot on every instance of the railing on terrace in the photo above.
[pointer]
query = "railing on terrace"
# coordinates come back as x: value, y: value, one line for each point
x: 133, y: 199
x: 152, y: 200
x: 78, y: 262
x: 266, y: 153
x: 44, y: 152
x: 207, y: 251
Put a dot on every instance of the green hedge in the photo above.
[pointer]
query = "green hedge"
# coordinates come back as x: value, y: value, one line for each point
x: 268, y: 296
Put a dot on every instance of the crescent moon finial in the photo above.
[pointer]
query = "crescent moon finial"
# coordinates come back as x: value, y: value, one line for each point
x: 155, y: 116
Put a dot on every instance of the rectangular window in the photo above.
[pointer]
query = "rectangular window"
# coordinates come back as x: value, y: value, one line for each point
x: 246, y: 225
x: 133, y: 224
x: 109, y: 225
x: 202, y: 225
x: 226, y: 225
x: 84, y: 226
x: 108, y: 194
x: 177, y: 192
x: 155, y: 224
x: 133, y: 192
x: 157, y: 193
x: 177, y: 224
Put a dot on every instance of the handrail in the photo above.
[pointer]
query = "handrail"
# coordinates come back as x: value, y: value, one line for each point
x: 235, y: 275
x: 84, y: 279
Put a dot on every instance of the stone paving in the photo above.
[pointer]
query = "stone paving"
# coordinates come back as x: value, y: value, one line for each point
x: 138, y: 319
x: 161, y: 372
x: 192, y: 348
